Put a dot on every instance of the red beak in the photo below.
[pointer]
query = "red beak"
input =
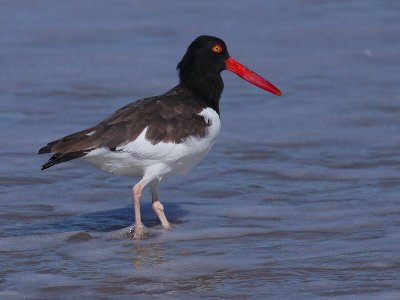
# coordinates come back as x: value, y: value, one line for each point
x: 250, y: 76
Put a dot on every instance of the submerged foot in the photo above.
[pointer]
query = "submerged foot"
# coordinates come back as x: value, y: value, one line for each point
x: 139, y: 232
x: 143, y: 233
x: 167, y: 226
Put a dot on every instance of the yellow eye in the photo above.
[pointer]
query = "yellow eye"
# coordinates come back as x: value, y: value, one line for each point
x: 217, y: 48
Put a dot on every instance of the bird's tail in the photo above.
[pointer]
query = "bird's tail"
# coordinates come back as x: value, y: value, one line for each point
x: 58, y: 158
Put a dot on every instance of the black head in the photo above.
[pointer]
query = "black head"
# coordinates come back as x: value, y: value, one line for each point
x: 206, y: 52
x: 201, y: 66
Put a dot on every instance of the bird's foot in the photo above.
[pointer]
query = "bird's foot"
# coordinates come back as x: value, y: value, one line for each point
x: 138, y: 231
x: 142, y: 232
x: 167, y: 226
x: 158, y: 208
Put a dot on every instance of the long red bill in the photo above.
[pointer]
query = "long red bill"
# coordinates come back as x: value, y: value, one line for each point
x: 236, y: 67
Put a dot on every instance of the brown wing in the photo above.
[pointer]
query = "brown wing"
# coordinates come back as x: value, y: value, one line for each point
x: 171, y: 117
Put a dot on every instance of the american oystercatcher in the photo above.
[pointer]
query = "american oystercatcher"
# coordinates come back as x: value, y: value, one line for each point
x: 160, y: 136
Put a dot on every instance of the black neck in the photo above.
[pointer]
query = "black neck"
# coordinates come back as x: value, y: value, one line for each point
x: 208, y: 85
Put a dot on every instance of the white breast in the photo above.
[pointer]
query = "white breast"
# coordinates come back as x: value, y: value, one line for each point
x: 141, y: 157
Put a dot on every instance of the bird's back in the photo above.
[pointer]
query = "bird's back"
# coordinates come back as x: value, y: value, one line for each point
x: 169, y: 119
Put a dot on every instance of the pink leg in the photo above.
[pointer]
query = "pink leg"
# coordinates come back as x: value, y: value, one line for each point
x: 158, y: 208
x: 137, y: 194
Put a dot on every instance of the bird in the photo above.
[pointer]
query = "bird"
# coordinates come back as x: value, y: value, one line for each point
x: 156, y: 137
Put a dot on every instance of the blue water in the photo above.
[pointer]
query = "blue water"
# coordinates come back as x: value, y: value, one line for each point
x: 298, y: 199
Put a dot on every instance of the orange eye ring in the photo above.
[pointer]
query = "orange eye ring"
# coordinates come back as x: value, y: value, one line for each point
x: 217, y: 48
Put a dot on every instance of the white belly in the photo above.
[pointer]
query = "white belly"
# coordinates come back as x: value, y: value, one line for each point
x: 162, y: 159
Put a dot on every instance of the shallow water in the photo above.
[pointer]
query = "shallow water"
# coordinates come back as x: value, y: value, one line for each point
x: 299, y: 198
